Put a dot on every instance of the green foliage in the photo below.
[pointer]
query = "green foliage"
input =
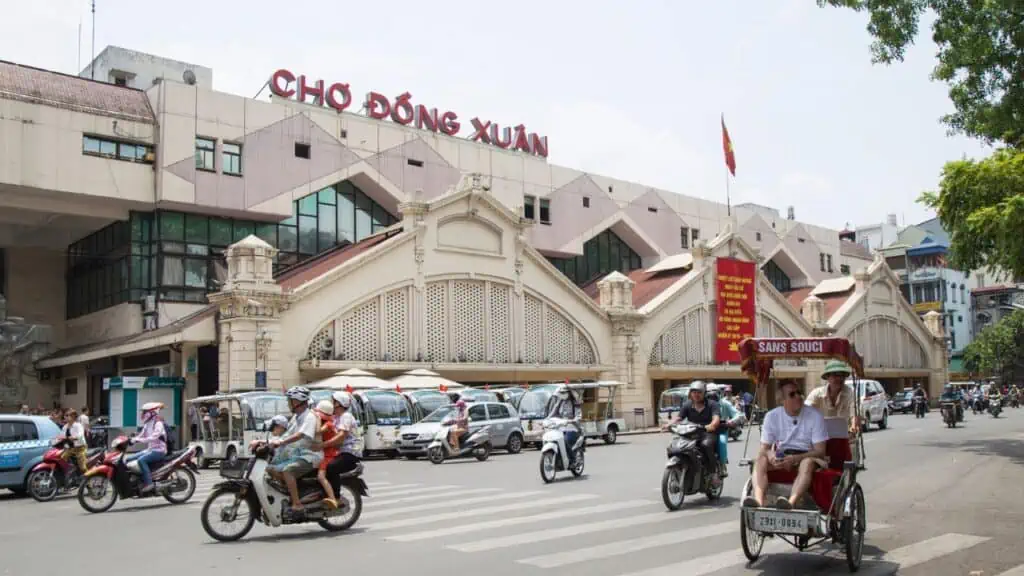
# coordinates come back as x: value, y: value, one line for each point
x: 999, y: 349
x: 980, y: 52
x: 981, y: 203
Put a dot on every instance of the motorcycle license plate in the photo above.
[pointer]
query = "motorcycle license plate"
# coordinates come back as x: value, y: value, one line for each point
x: 779, y: 522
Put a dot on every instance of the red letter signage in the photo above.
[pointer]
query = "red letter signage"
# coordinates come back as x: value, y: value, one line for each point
x: 402, y: 110
x: 734, y: 304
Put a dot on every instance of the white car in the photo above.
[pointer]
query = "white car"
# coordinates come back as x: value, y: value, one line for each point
x: 874, y: 404
x: 506, y: 429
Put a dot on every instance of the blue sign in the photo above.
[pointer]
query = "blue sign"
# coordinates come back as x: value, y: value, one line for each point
x: 261, y: 379
x: 10, y: 460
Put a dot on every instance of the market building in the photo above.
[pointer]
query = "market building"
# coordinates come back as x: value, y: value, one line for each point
x: 182, y: 234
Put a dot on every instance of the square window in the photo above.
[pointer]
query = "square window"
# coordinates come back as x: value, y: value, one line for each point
x: 586, y: 201
x: 684, y: 237
x: 302, y: 150
x: 204, y: 154
x: 90, y: 145
x: 529, y: 205
x: 757, y: 236
x: 694, y: 235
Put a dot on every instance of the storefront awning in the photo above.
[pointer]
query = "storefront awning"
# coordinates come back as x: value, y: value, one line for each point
x: 200, y: 327
x: 136, y: 382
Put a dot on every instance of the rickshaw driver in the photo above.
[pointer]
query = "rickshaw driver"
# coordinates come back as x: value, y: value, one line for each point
x: 792, y: 436
x: 835, y: 398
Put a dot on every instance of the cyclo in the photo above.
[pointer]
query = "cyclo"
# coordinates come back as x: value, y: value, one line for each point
x: 834, y: 508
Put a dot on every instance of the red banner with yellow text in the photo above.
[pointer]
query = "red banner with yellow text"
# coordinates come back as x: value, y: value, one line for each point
x: 735, y: 320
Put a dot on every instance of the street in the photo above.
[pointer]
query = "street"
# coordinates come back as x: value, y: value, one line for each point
x: 939, y: 502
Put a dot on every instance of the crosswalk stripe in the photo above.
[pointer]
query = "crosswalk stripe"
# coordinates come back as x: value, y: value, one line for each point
x: 448, y: 503
x: 407, y: 491
x: 921, y: 552
x: 518, y: 520
x: 462, y: 493
x: 714, y: 562
x: 621, y: 547
x: 458, y: 515
x: 395, y: 487
x: 1018, y: 571
x: 568, y: 531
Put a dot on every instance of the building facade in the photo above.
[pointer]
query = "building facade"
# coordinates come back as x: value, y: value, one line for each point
x: 181, y: 232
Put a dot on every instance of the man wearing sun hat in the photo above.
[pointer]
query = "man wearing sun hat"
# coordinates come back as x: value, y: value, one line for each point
x: 835, y: 399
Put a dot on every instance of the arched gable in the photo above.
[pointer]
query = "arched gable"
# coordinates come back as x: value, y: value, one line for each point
x: 886, y: 343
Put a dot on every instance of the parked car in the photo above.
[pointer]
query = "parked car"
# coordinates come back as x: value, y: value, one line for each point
x: 506, y: 429
x: 874, y: 405
x: 23, y: 441
x: 512, y: 395
x: 901, y: 402
x: 474, y: 395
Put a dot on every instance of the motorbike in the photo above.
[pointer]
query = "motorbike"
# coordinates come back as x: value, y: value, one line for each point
x: 476, y: 443
x: 735, y: 429
x: 174, y: 478
x: 1014, y: 402
x: 995, y: 407
x: 919, y: 406
x: 687, y: 471
x: 949, y: 414
x: 252, y: 494
x: 57, y: 472
x: 554, y: 454
x: 978, y: 405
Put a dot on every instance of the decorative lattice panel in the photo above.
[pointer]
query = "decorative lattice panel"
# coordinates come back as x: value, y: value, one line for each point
x: 683, y: 341
x: 533, y: 318
x: 584, y: 351
x: 467, y: 311
x: 396, y: 324
x: 694, y: 338
x: 359, y: 337
x: 322, y: 346
x: 437, y: 322
x: 656, y: 354
x: 558, y: 338
x: 501, y: 324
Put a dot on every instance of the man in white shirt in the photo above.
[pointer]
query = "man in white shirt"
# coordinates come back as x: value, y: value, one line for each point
x: 793, y: 436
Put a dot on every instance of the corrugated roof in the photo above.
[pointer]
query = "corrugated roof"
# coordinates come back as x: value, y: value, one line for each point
x: 317, y: 266
x: 647, y: 285
x: 38, y: 86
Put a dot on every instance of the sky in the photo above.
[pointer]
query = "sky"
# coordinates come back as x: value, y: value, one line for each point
x: 630, y: 90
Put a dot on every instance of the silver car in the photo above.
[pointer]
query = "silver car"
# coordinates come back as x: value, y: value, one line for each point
x: 506, y: 429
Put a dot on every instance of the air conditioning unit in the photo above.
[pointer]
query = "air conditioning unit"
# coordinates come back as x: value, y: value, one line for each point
x: 149, y: 323
x: 149, y: 304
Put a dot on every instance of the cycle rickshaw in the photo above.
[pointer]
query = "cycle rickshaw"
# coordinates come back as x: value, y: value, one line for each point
x: 834, y: 508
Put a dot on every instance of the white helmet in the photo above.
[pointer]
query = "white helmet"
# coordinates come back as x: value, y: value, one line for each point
x: 298, y: 393
x: 343, y: 398
x: 325, y: 407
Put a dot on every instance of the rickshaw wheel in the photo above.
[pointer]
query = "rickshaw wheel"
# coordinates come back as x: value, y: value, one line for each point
x: 854, y: 528
x: 752, y: 541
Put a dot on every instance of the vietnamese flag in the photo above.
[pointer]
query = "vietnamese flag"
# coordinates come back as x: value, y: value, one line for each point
x: 730, y: 156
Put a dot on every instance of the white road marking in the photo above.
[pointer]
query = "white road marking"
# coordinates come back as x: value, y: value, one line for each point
x: 399, y: 486
x: 450, y: 503
x: 621, y: 547
x: 375, y: 503
x: 1018, y: 571
x: 389, y: 493
x: 913, y: 431
x: 714, y: 562
x: 517, y: 520
x: 921, y: 552
x: 569, y: 531
x: 461, y: 514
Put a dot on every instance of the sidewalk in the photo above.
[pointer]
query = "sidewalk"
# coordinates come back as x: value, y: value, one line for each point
x: 651, y: 430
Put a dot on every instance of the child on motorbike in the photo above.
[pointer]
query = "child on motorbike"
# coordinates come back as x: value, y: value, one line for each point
x: 74, y: 432
x: 325, y: 410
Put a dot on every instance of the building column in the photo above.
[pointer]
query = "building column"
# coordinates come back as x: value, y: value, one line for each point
x: 616, y: 299
x: 250, y: 305
x: 938, y: 363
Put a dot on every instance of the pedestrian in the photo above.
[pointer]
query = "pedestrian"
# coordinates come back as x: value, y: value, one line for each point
x: 24, y: 411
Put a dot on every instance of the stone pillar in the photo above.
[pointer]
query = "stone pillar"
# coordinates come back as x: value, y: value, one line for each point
x: 250, y: 318
x: 413, y: 219
x: 939, y: 363
x: 616, y: 299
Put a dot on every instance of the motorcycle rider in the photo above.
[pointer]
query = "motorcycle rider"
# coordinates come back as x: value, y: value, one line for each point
x: 835, y: 399
x: 347, y: 439
x: 951, y: 394
x: 565, y: 405
x: 295, y: 456
x: 154, y: 434
x: 698, y: 410
x: 920, y: 393
x: 75, y: 433
x: 461, y: 417
x: 1014, y: 394
x: 732, y: 417
x: 994, y: 397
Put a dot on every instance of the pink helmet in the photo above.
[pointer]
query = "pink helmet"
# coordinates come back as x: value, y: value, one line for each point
x: 461, y: 403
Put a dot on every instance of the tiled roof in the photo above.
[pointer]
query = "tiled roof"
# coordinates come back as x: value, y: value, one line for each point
x: 319, y: 265
x: 996, y: 288
x: 37, y: 86
x: 647, y: 284
x: 832, y: 301
x: 853, y: 249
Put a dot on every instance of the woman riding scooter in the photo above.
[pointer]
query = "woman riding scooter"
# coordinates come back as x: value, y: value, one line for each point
x: 154, y: 434
x: 565, y: 405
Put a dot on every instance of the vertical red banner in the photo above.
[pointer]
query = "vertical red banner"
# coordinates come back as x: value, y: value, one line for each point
x: 735, y: 290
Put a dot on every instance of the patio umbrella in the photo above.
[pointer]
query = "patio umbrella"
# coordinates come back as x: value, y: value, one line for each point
x: 422, y: 379
x: 351, y: 379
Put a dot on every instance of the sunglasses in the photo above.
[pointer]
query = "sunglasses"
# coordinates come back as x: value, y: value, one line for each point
x: 794, y: 394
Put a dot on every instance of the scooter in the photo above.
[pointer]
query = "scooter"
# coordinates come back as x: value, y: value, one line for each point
x: 687, y: 470
x: 477, y: 443
x: 949, y: 414
x: 735, y: 430
x: 554, y: 454
x: 251, y: 494
x: 57, y: 473
x: 995, y: 407
x: 174, y: 478
x: 919, y: 407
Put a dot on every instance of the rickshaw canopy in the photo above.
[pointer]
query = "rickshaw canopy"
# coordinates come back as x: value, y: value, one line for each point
x: 758, y: 354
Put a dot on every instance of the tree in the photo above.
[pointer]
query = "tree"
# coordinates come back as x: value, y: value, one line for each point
x: 980, y: 53
x: 999, y: 349
x: 981, y: 58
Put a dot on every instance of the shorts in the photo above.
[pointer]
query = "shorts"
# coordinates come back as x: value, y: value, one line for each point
x: 325, y: 461
x: 297, y: 468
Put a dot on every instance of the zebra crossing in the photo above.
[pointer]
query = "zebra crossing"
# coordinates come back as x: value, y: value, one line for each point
x: 698, y: 541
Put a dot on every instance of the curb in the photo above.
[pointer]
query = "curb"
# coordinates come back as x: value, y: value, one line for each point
x: 639, y: 432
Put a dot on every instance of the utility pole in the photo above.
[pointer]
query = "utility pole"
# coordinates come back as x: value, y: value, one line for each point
x: 92, y: 65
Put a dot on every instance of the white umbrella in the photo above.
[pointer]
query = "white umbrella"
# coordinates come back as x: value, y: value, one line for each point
x: 353, y: 378
x: 422, y: 379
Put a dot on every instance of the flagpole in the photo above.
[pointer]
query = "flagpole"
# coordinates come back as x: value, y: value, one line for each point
x: 728, y: 202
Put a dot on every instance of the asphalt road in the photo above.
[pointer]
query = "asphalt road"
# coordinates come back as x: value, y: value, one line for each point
x: 939, y: 502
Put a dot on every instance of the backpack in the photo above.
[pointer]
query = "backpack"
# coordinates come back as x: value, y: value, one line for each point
x: 168, y: 439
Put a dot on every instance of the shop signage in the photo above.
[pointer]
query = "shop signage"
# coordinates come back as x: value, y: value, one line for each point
x: 735, y: 291
x: 924, y: 274
x: 401, y: 110
x: 927, y: 307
